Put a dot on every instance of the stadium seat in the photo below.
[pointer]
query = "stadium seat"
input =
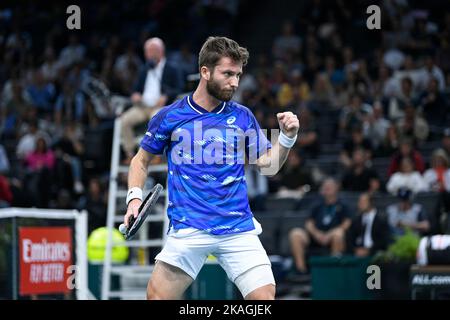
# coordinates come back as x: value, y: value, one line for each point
x: 307, y: 201
x: 97, y: 148
x: 277, y: 204
x: 381, y: 166
x: 329, y: 165
x: 330, y: 149
x: 351, y: 200
x: 271, y: 229
x: 382, y: 201
x: 428, y: 147
x: 290, y: 220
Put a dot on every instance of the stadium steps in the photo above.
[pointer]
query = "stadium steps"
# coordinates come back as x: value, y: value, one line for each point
x: 133, y: 281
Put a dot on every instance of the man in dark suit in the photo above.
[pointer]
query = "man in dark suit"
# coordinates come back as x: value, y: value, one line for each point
x: 369, y: 231
x: 158, y: 84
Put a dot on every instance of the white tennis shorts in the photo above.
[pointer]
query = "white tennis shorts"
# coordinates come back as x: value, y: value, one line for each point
x: 189, y: 248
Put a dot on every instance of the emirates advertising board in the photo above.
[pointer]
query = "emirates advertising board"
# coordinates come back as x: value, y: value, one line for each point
x: 45, y: 255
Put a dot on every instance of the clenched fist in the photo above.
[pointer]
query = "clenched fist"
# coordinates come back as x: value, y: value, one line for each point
x: 288, y: 123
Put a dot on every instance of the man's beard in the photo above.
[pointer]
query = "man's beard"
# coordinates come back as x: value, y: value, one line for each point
x: 214, y: 90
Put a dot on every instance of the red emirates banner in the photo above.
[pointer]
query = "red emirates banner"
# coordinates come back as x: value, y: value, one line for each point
x: 45, y: 257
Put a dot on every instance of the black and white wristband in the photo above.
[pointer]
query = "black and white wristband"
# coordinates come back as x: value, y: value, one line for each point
x: 285, y: 141
x: 134, y: 193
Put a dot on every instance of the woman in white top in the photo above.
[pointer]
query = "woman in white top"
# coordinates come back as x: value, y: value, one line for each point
x: 438, y: 176
x: 408, y: 178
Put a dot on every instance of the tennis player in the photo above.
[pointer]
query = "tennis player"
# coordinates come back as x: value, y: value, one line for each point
x: 204, y: 136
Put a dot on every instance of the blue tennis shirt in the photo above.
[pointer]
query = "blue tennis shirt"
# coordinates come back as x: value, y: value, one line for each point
x: 206, y: 153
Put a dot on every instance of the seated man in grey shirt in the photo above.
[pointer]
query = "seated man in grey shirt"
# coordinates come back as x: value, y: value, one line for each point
x: 407, y: 215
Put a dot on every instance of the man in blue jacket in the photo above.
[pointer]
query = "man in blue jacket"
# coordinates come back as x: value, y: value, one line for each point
x: 158, y: 84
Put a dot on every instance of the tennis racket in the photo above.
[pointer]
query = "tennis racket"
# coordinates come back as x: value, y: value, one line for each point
x: 146, y: 207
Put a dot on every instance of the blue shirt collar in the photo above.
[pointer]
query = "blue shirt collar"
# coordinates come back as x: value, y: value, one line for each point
x: 200, y: 110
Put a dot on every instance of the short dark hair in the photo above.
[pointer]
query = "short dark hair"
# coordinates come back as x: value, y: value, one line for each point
x: 216, y: 48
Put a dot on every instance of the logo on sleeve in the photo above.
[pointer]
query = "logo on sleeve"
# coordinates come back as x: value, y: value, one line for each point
x: 231, y: 120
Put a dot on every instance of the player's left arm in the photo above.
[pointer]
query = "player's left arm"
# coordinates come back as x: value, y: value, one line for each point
x: 275, y: 157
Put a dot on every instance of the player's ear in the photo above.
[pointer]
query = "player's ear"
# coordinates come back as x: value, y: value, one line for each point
x: 205, y: 73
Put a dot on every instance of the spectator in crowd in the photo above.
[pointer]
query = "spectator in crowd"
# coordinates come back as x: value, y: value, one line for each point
x: 27, y: 142
x: 41, y: 157
x: 50, y: 68
x: 406, y: 96
x: 325, y: 227
x: 412, y: 126
x: 431, y: 71
x: 40, y: 164
x: 64, y: 200
x: 126, y: 68
x: 311, y: 69
x: 73, y: 53
x: 385, y: 85
x: 359, y: 177
x: 295, y: 178
x: 70, y: 149
x: 369, y: 231
x: 407, y: 215
x: 293, y: 92
x: 376, y: 126
x: 70, y: 105
x: 354, y: 114
x: 341, y: 96
x: 406, y: 150
x: 41, y: 93
x: 335, y: 74
x: 13, y: 106
x: 287, y: 43
x: 278, y: 77
x: 407, y: 177
x: 349, y: 60
x: 438, y: 176
x: 357, y: 140
x: 390, y: 144
x: 308, y: 140
x: 433, y: 105
x: 322, y: 96
x: 158, y: 84
x: 95, y: 204
x: 185, y: 60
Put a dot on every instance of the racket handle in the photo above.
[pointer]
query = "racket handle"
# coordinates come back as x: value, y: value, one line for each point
x: 122, y: 229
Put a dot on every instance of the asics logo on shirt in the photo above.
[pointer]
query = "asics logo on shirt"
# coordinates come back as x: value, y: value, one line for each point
x: 231, y: 120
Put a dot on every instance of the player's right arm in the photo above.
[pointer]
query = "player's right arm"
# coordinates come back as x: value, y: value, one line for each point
x: 154, y: 142
x: 137, y: 176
